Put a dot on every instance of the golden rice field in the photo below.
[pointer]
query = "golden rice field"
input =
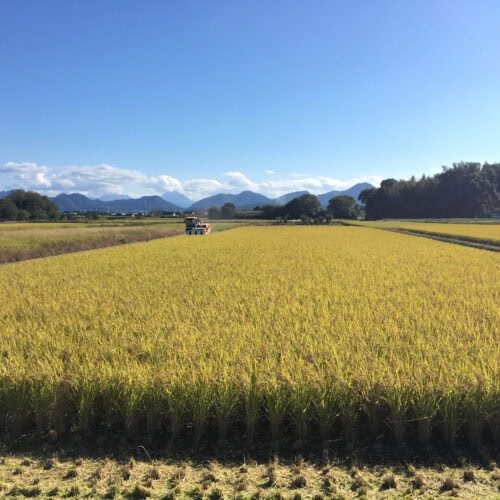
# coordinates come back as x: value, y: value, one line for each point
x: 257, y: 334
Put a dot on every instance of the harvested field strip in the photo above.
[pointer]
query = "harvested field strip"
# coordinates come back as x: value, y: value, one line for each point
x: 483, y: 233
x: 61, y: 476
x: 24, y: 241
x: 485, y: 236
x: 491, y: 245
x: 83, y: 225
x: 35, y: 242
x: 257, y: 334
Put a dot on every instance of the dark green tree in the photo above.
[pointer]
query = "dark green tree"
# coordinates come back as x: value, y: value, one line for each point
x: 227, y: 210
x: 270, y: 212
x: 214, y: 212
x: 306, y: 205
x: 8, y: 209
x: 464, y: 190
x: 343, y: 207
x: 36, y: 205
x: 22, y: 215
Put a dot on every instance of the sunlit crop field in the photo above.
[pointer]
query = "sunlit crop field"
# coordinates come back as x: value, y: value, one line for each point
x: 256, y: 333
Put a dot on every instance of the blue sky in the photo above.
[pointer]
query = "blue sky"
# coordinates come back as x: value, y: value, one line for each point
x: 143, y: 97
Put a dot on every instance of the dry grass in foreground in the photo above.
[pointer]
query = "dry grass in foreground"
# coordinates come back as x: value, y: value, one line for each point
x: 58, y: 476
x: 33, y: 240
x: 34, y: 243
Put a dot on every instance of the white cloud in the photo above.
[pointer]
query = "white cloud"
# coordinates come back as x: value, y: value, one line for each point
x: 195, y: 189
x: 315, y: 185
x: 66, y: 184
x: 29, y: 174
x: 19, y: 168
x: 94, y: 181
x: 269, y: 172
x: 102, y: 177
x: 240, y: 180
x: 41, y: 180
x: 167, y: 183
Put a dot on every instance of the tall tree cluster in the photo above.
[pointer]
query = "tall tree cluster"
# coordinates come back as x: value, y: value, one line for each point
x: 464, y: 190
x: 27, y: 205
x: 227, y: 211
x: 307, y: 206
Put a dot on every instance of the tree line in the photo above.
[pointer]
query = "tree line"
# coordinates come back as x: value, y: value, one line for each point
x: 306, y: 207
x: 227, y: 211
x: 465, y: 190
x: 22, y: 205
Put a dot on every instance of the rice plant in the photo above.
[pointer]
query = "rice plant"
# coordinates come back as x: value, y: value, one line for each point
x: 259, y: 333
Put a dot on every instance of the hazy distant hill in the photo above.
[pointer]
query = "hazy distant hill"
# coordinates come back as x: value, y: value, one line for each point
x: 112, y: 197
x: 143, y: 204
x: 244, y: 200
x: 3, y: 194
x: 75, y: 202
x: 249, y: 199
x: 79, y: 202
x: 282, y: 200
x: 352, y: 191
x: 177, y: 199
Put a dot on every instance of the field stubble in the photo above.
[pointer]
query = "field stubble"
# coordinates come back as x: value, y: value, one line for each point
x: 63, y: 476
x: 24, y: 241
x: 483, y: 235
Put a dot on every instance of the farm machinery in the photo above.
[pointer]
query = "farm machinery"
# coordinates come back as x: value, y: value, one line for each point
x: 194, y: 225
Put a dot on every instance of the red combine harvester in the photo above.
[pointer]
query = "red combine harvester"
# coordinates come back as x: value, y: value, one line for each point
x: 194, y: 225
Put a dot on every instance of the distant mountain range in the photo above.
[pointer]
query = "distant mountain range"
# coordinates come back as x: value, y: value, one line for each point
x: 243, y: 201
x: 113, y: 197
x: 353, y: 191
x: 283, y: 200
x: 248, y: 199
x: 77, y: 202
x: 177, y: 199
x: 177, y: 202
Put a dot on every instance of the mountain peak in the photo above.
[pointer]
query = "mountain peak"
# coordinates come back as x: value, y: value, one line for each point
x: 176, y: 198
x: 175, y: 202
x: 113, y: 197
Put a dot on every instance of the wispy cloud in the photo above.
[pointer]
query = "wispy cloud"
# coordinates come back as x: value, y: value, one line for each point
x: 97, y: 180
x: 100, y: 179
x: 238, y: 180
x: 195, y: 189
x: 28, y: 174
x: 166, y: 183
